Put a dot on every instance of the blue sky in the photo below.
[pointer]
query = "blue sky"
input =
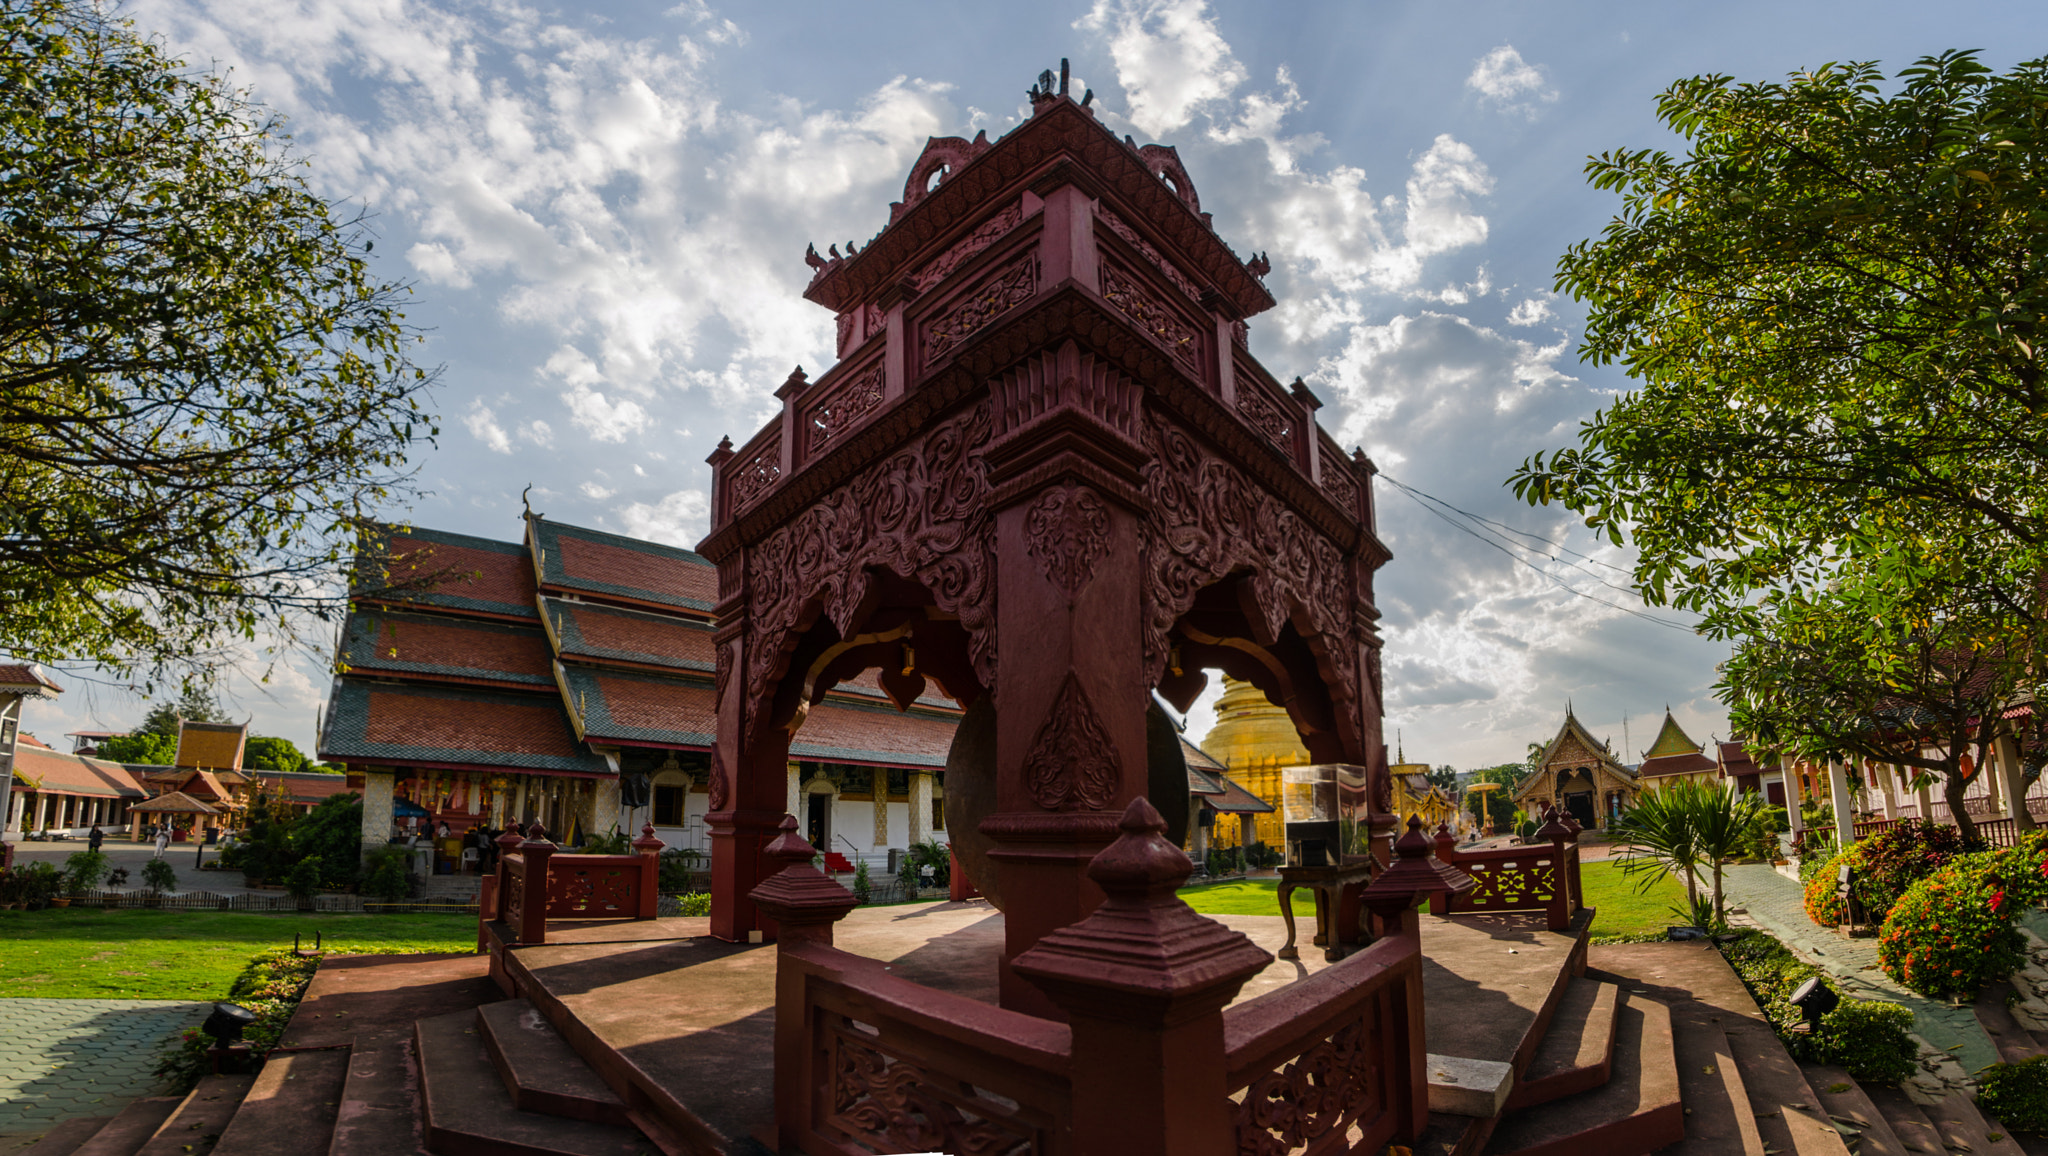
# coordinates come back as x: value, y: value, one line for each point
x: 604, y: 209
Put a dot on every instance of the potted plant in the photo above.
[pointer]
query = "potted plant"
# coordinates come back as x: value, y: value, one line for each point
x: 159, y: 876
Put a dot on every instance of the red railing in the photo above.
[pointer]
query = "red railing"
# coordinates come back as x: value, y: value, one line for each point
x: 536, y: 883
x: 887, y: 1065
x: 1874, y: 826
x: 1309, y: 1062
x: 1536, y: 877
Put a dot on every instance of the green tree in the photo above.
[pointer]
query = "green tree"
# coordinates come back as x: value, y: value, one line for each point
x: 1688, y: 829
x: 1445, y: 777
x: 266, y: 753
x: 195, y: 704
x: 1495, y: 808
x: 1833, y: 306
x: 140, y: 747
x: 204, y: 393
x: 331, y: 837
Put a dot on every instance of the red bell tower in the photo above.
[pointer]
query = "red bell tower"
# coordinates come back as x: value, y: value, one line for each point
x: 1045, y: 471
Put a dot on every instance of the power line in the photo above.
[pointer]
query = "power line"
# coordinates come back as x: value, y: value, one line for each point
x: 1483, y: 533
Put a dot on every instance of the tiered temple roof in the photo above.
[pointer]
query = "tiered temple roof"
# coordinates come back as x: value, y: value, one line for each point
x: 1674, y: 753
x: 547, y: 655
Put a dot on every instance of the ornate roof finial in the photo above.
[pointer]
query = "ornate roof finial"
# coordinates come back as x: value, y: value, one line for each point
x: 1400, y: 755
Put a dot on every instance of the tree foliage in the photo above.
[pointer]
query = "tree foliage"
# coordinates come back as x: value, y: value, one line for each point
x: 195, y: 704
x: 268, y: 753
x: 204, y: 393
x: 140, y: 747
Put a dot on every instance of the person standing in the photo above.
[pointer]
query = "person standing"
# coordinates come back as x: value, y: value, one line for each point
x: 163, y: 840
x: 97, y: 837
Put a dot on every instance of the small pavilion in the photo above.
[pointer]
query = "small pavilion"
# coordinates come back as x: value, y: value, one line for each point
x: 1675, y: 758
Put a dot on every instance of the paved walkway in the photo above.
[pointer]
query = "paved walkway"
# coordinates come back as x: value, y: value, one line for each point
x: 181, y: 856
x: 61, y: 1058
x: 1777, y: 905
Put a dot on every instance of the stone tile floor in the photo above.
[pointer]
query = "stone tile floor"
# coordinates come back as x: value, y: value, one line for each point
x: 61, y: 1058
x: 1777, y: 905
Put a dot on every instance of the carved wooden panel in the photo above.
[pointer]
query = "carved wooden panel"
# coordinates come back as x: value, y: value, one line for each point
x: 1067, y: 531
x: 756, y: 475
x: 593, y: 886
x: 512, y: 900
x: 1265, y: 414
x: 1127, y: 293
x: 921, y: 513
x: 1004, y: 289
x: 1073, y: 763
x: 890, y: 1104
x: 1066, y: 376
x: 1180, y: 280
x: 1335, y: 1091
x: 1525, y: 883
x: 843, y: 408
x: 1208, y: 520
x: 981, y: 238
x: 1342, y: 490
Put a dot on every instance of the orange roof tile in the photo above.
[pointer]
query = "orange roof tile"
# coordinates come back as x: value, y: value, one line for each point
x: 44, y: 769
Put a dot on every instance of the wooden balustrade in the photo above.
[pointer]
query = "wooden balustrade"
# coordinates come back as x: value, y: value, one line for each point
x: 1308, y: 1062
x: 1535, y: 877
x: 535, y: 883
x: 1871, y: 827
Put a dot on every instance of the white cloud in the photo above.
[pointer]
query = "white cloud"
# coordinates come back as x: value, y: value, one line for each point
x: 538, y: 432
x: 483, y: 426
x: 607, y: 420
x: 595, y: 492
x: 1170, y: 58
x: 680, y: 519
x: 1508, y: 83
x: 1531, y: 311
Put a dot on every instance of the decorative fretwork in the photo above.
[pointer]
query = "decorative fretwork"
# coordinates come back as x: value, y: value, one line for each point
x: 1525, y: 883
x: 1265, y: 415
x: 891, y: 1105
x: 755, y: 478
x: 1152, y: 315
x: 989, y: 232
x: 1323, y: 1091
x: 1008, y: 287
x: 1342, y: 489
x: 587, y: 889
x: 512, y: 899
x: 841, y: 409
x: 1130, y: 236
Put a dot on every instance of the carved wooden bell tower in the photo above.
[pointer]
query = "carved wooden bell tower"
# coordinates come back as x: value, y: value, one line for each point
x: 1046, y: 470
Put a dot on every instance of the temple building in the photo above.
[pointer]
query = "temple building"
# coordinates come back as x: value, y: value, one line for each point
x: 486, y: 682
x: 1253, y: 739
x: 1580, y: 774
x: 1675, y: 758
x: 1415, y: 795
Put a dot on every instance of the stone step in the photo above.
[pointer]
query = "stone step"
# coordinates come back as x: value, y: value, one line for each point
x: 1577, y: 1047
x: 1790, y: 1115
x: 201, y: 1117
x: 468, y: 1112
x: 1917, y: 1134
x: 1718, y: 1118
x: 1636, y: 1111
x: 1852, y: 1111
x: 2013, y: 1041
x: 64, y: 1139
x: 131, y: 1128
x: 1961, y: 1126
x: 539, y: 1068
x: 291, y: 1108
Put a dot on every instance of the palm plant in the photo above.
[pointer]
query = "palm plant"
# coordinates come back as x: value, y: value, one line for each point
x: 1687, y: 829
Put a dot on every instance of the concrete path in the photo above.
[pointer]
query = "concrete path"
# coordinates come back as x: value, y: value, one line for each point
x: 61, y: 1058
x: 1777, y: 905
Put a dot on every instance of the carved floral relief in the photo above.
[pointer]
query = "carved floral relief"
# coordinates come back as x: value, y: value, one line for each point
x: 754, y: 478
x: 1067, y: 531
x: 845, y: 406
x: 1073, y: 763
x: 1328, y: 1087
x: 1010, y: 286
x: 981, y: 238
x: 892, y: 1105
x: 1125, y: 292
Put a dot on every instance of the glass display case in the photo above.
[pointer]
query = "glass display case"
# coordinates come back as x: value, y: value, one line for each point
x: 1325, y: 809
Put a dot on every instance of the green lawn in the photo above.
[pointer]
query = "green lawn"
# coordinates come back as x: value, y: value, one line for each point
x: 1246, y: 897
x: 1623, y: 911
x: 127, y: 954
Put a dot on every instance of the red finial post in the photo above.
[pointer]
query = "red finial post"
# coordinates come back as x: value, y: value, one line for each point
x: 803, y: 901
x: 533, y: 908
x: 1143, y: 982
x: 649, y: 847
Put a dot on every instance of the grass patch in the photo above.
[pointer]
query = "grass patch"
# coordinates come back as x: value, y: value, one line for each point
x: 89, y: 953
x: 1247, y: 897
x: 1625, y: 910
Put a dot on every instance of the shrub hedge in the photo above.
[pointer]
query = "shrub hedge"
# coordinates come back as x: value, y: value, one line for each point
x: 2016, y: 1094
x: 271, y: 986
x: 1953, y: 932
x: 1870, y: 1038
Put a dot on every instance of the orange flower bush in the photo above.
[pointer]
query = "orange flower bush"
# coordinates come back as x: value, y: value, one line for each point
x: 1953, y: 932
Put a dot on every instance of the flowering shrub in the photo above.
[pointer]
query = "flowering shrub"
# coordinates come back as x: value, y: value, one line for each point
x: 271, y: 986
x: 1896, y: 858
x: 1953, y: 932
x: 1823, y: 905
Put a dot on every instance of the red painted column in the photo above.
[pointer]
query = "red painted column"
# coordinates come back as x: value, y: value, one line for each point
x: 1143, y: 982
x: 649, y: 846
x: 804, y: 903
x: 533, y: 912
x: 749, y: 797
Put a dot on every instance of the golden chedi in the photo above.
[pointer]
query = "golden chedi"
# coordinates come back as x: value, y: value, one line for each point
x: 1253, y: 739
